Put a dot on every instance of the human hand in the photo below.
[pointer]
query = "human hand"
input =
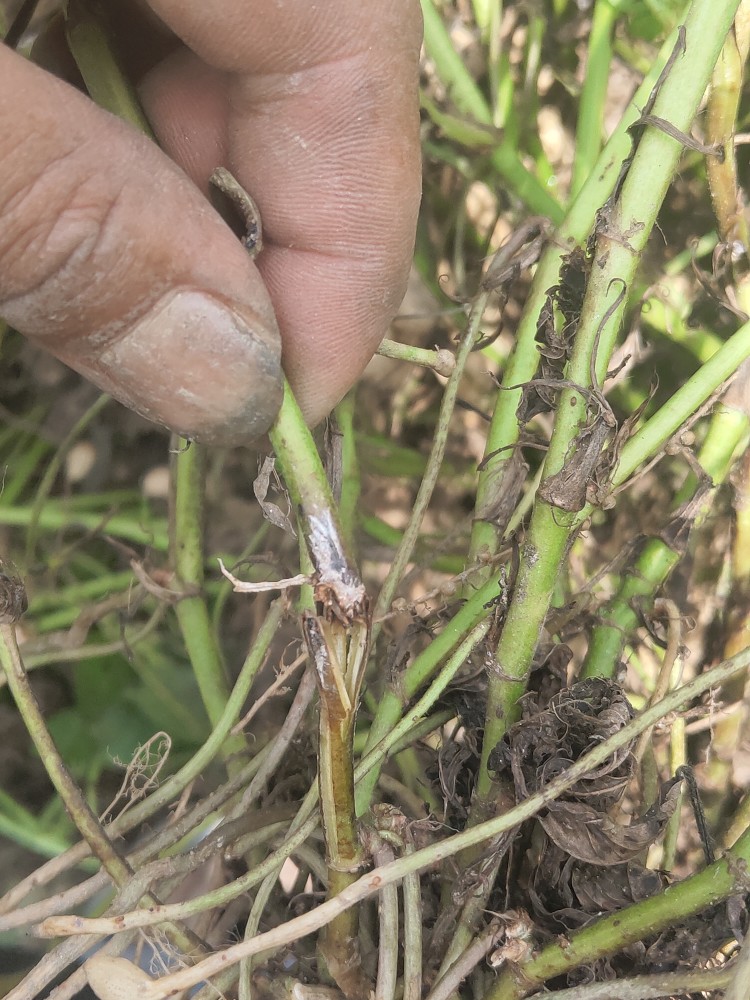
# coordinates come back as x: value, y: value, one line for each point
x: 112, y: 259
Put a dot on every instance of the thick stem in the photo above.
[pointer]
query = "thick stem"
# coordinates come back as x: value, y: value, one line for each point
x: 503, y: 432
x: 619, y: 245
x: 614, y: 932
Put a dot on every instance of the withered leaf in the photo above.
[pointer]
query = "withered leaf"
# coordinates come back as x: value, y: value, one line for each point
x: 545, y: 743
x: 601, y: 890
x: 592, y: 836
x: 504, y: 491
x: 271, y: 511
x: 568, y: 489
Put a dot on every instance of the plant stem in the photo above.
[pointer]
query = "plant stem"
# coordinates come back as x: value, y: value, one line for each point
x: 443, y: 362
x: 469, y: 99
x: 351, y: 482
x: 89, y: 42
x: 413, y: 957
x: 716, y: 882
x: 338, y: 645
x: 187, y: 548
x: 665, y: 984
x: 616, y: 258
x: 503, y: 432
x: 311, y: 496
x: 594, y: 93
x: 616, y: 931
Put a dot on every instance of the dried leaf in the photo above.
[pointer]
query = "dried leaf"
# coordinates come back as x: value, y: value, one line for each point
x: 271, y: 511
x: 545, y: 743
x: 503, y: 492
x: 602, y: 890
x: 592, y: 836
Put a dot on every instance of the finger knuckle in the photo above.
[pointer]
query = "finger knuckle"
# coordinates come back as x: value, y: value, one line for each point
x: 54, y: 226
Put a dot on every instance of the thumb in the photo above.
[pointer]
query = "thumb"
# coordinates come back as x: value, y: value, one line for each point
x: 114, y: 261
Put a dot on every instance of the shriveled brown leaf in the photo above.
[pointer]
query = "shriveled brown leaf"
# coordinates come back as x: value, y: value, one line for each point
x: 602, y: 890
x: 546, y: 743
x: 271, y: 511
x: 592, y: 836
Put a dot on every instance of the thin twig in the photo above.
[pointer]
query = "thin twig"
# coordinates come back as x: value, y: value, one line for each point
x: 434, y: 462
x: 371, y: 883
x: 413, y: 959
x: 276, y: 687
x: 466, y: 963
x: 385, y: 983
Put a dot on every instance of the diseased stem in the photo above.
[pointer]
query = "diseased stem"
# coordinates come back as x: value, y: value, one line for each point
x: 716, y: 882
x: 337, y: 578
x: 618, y: 247
x: 503, y: 432
x: 337, y: 639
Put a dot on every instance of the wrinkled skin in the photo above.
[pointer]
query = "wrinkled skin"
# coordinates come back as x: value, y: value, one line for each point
x: 112, y: 257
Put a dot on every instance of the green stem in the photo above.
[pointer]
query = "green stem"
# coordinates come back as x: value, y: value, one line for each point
x: 351, y: 483
x: 615, y: 932
x: 469, y: 99
x: 503, y: 432
x: 616, y: 258
x: 683, y: 403
x: 90, y: 43
x: 187, y: 548
x: 594, y: 93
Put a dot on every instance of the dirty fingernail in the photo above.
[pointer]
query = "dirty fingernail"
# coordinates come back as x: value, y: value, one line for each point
x: 208, y: 370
